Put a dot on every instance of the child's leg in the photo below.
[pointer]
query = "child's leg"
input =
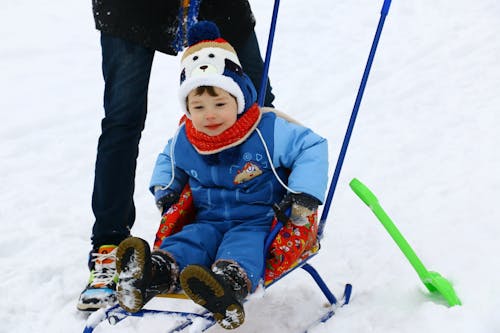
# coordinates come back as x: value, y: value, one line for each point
x: 196, y: 243
x: 142, y: 274
x: 244, y: 244
x: 222, y: 289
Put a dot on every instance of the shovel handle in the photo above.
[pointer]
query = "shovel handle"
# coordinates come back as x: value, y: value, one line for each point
x: 371, y: 201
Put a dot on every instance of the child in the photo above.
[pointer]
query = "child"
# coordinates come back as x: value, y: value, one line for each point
x: 236, y: 160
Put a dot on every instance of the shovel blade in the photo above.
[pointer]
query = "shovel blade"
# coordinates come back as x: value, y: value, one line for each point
x: 436, y: 283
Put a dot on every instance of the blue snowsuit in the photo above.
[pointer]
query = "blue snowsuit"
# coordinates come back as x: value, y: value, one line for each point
x: 234, y: 190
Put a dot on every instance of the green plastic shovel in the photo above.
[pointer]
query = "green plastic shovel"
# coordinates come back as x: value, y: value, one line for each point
x: 434, y: 282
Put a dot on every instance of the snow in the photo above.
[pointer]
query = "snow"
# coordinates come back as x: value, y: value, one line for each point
x: 425, y: 142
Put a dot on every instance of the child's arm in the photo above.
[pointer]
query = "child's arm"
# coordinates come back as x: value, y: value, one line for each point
x: 305, y: 153
x: 167, y: 180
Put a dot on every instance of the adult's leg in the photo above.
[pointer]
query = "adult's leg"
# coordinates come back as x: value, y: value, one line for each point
x: 253, y: 65
x: 126, y: 69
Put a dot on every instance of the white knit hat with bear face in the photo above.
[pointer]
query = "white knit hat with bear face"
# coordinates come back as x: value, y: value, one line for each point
x: 211, y: 61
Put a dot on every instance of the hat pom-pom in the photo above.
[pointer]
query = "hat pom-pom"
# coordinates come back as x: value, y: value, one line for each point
x: 203, y: 30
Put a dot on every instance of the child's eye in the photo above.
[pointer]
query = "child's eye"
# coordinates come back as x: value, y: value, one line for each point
x: 220, y: 104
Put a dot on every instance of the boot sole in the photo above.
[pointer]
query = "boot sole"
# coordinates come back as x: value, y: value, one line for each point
x: 204, y: 289
x: 130, y: 266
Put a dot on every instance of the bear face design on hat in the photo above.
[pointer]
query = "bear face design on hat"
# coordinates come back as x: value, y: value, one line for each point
x: 211, y: 61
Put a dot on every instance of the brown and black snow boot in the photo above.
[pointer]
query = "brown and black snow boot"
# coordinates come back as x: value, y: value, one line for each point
x: 220, y: 291
x: 141, y: 274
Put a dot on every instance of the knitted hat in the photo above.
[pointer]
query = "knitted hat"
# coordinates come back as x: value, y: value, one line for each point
x: 211, y: 61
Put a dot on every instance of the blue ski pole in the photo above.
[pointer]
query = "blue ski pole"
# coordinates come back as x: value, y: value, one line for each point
x: 347, y: 137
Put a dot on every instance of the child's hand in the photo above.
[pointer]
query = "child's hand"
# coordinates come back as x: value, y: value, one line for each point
x: 165, y: 198
x: 302, y: 205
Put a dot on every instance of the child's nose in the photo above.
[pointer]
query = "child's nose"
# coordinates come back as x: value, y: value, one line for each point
x: 210, y: 114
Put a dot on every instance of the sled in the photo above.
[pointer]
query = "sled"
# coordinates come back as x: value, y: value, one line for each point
x: 288, y: 247
x: 180, y: 314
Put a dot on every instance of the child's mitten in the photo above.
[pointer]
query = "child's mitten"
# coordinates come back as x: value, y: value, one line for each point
x: 164, y: 198
x: 302, y: 205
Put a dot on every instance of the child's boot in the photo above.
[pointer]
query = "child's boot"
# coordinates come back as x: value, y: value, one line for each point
x: 142, y: 274
x: 221, y: 291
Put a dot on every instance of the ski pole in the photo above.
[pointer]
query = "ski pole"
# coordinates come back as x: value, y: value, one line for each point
x: 272, y: 29
x: 347, y: 137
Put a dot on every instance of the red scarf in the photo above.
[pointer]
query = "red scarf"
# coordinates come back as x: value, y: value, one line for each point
x: 233, y: 136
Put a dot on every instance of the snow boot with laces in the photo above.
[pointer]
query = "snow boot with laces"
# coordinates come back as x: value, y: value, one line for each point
x: 100, y: 290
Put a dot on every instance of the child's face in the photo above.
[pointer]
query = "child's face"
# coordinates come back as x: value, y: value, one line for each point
x: 212, y: 115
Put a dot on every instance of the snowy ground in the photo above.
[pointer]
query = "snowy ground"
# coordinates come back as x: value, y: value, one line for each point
x: 426, y: 142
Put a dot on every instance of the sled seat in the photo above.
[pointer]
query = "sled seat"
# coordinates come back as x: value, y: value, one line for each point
x: 288, y: 246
